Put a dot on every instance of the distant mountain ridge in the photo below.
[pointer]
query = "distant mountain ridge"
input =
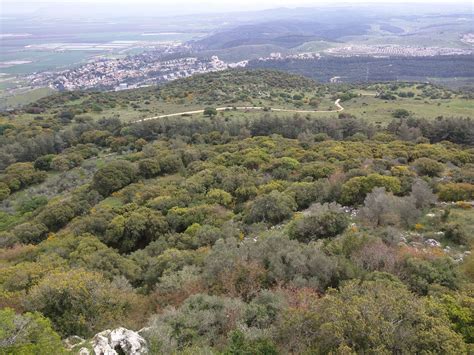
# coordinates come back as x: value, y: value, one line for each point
x: 287, y: 34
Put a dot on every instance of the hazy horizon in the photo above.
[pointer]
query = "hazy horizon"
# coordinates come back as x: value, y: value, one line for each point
x: 187, y: 7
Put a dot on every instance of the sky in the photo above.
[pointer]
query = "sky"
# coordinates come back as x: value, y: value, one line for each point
x: 199, y: 6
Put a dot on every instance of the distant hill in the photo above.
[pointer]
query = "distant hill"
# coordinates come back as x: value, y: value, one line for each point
x: 287, y: 34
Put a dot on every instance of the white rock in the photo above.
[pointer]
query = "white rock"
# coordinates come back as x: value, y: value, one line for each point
x: 84, y: 351
x: 433, y: 243
x: 130, y: 342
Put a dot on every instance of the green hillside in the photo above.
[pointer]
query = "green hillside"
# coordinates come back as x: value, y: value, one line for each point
x: 240, y: 231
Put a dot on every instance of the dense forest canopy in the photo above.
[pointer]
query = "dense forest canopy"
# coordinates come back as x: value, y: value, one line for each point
x: 237, y: 232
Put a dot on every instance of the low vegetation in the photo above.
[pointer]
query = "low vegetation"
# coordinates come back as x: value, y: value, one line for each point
x: 261, y: 234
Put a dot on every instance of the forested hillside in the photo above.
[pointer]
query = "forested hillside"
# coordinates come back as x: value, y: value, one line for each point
x: 239, y: 232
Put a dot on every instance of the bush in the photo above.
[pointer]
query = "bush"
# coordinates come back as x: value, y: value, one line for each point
x: 21, y: 175
x: 420, y: 274
x: 455, y: 233
x: 383, y: 209
x: 4, y: 191
x: 57, y: 214
x: 324, y: 221
x: 29, y: 333
x: 113, y: 177
x: 427, y: 166
x: 370, y: 317
x: 44, y: 162
x: 354, y: 191
x: 149, y: 168
x: 272, y: 208
x: 30, y: 233
x: 400, y: 113
x: 78, y: 302
x: 456, y: 192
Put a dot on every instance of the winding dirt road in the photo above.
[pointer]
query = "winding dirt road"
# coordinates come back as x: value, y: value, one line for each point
x: 242, y: 108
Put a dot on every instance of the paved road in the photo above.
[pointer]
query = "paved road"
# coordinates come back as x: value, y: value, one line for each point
x: 243, y: 108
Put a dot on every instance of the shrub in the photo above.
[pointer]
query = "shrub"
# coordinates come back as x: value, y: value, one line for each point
x: 29, y: 333
x: 149, y: 168
x: 273, y: 208
x: 324, y: 221
x: 78, y: 302
x: 113, y: 177
x: 354, y: 191
x: 4, y: 191
x: 456, y: 192
x: 427, y: 166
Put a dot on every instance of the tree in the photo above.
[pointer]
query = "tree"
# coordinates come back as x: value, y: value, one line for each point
x: 383, y: 209
x: 113, y: 177
x: 272, y: 208
x: 29, y: 333
x: 135, y: 229
x: 210, y: 111
x: 30, y: 233
x: 57, y: 214
x: 422, y: 193
x: 149, y: 168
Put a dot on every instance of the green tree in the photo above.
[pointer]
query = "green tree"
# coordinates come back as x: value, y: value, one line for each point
x: 29, y: 333
x: 113, y: 177
x: 149, y: 168
x: 210, y: 111
x: 273, y: 208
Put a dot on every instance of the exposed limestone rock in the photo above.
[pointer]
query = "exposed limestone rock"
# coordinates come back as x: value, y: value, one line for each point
x: 119, y: 341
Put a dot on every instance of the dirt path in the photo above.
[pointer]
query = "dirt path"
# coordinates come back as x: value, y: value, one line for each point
x: 243, y: 108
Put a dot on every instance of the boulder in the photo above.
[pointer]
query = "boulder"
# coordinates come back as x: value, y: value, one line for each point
x: 119, y: 341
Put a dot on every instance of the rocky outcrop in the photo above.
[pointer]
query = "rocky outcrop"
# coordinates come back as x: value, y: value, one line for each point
x: 119, y: 341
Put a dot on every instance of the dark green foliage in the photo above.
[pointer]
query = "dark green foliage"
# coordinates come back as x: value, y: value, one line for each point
x: 210, y: 111
x: 44, y: 162
x: 420, y: 274
x: 272, y: 208
x: 113, y: 177
x: 322, y: 223
x: 430, y: 167
x: 241, y: 346
x: 135, y: 229
x: 400, y: 113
